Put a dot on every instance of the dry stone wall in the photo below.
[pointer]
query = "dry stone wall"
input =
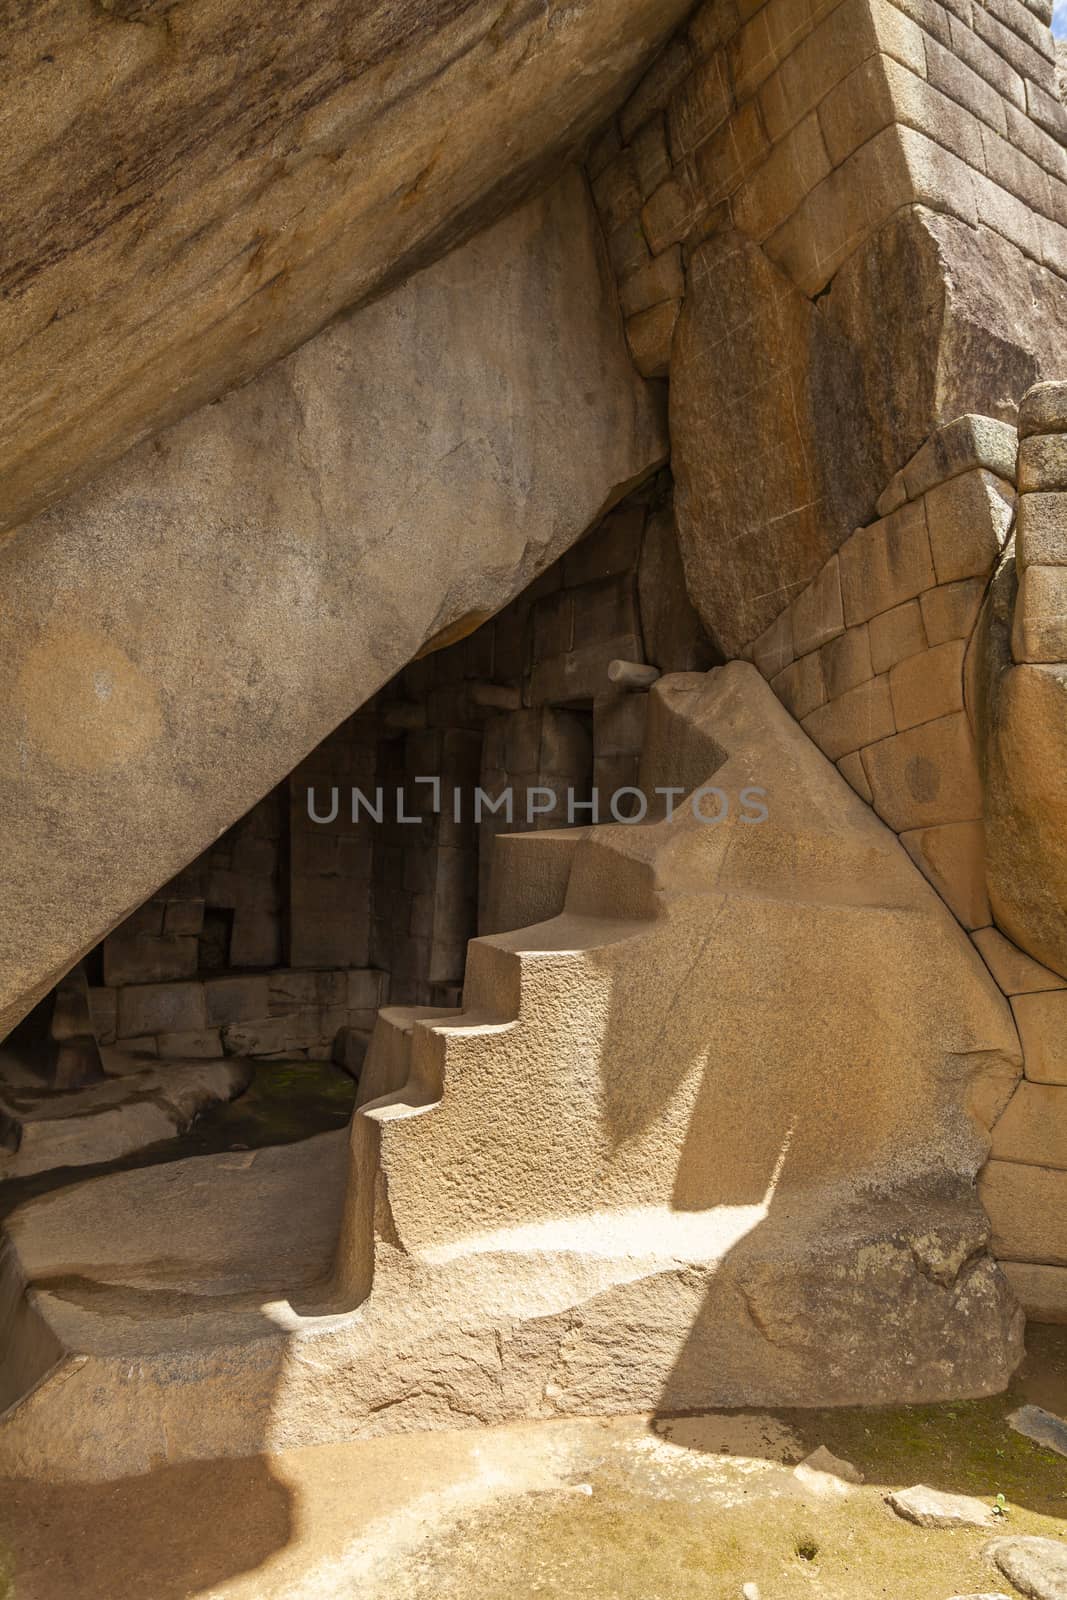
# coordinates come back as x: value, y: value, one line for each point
x: 805, y: 124
x: 836, y: 227
x: 879, y: 661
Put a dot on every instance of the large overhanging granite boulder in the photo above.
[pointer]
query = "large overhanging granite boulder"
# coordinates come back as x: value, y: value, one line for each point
x: 196, y: 189
x: 186, y: 629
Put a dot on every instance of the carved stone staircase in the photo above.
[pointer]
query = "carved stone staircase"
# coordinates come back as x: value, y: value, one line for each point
x: 705, y: 1136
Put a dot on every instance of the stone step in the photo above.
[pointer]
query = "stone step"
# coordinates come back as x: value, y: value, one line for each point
x: 42, y: 1129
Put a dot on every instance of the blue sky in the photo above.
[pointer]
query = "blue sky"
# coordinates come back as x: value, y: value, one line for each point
x: 1059, y: 19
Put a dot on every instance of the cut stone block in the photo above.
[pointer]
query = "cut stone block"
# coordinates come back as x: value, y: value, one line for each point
x: 366, y: 989
x: 1043, y: 462
x: 1042, y: 1023
x: 236, y: 999
x: 928, y: 685
x: 657, y: 280
x: 1013, y: 969
x: 1033, y: 1128
x: 801, y: 687
x: 854, y: 719
x: 926, y: 776
x: 851, y: 769
x: 1043, y: 409
x: 148, y: 958
x: 1027, y: 1209
x: 649, y: 335
x: 184, y: 916
x: 968, y: 520
x: 896, y: 634
x: 1039, y: 630
x: 1041, y: 531
x: 773, y: 650
x: 892, y: 496
x: 1040, y: 1290
x: 952, y: 856
x: 951, y: 610
x: 161, y: 1008
x: 817, y: 614
x: 959, y: 446
x: 846, y: 661
x: 886, y: 564
x: 103, y: 1009
x: 202, y: 1045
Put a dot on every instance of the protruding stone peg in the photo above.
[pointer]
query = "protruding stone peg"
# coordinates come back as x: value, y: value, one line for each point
x: 632, y: 674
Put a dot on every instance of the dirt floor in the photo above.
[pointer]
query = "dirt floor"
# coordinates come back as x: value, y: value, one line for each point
x: 617, y: 1509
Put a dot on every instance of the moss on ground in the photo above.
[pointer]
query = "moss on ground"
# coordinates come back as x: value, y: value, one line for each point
x: 663, y: 1534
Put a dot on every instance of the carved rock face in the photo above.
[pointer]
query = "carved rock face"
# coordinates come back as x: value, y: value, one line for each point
x: 196, y: 189
x: 203, y: 614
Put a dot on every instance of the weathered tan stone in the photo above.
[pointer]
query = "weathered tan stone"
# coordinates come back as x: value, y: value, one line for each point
x: 649, y: 335
x: 657, y: 85
x: 800, y: 686
x: 926, y: 776
x: 652, y: 161
x: 734, y: 150
x: 856, y: 718
x: 968, y: 519
x: 886, y: 564
x: 160, y: 1008
x: 1013, y: 969
x: 1043, y: 463
x: 752, y: 540
x: 113, y: 1117
x: 669, y: 214
x: 673, y: 637
x: 1027, y: 1207
x: 926, y: 320
x: 236, y: 999
x: 1033, y: 1127
x: 701, y: 102
x: 1042, y: 1023
x: 1041, y: 531
x: 892, y: 496
x: 776, y: 188
x: 1040, y: 1290
x: 662, y: 279
x: 616, y: 192
x: 851, y: 769
x: 934, y: 1508
x: 894, y: 635
x: 951, y: 610
x: 1039, y: 632
x: 773, y: 650
x: 952, y: 856
x: 198, y: 1044
x: 963, y: 445
x: 928, y: 685
x: 1021, y: 719
x: 289, y: 546
x: 252, y: 194
x: 846, y: 660
x: 1043, y: 409
x: 817, y: 614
